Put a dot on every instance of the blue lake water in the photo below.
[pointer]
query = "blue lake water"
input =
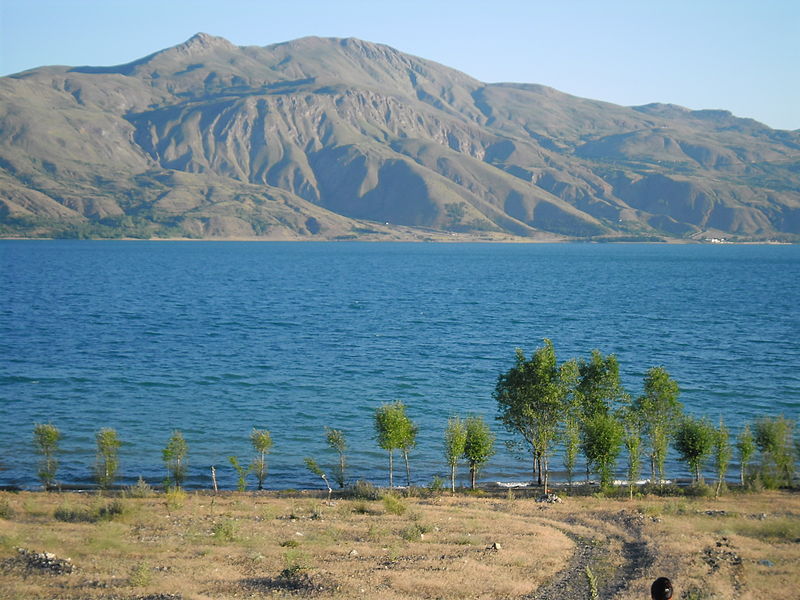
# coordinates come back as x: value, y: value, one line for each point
x: 216, y: 338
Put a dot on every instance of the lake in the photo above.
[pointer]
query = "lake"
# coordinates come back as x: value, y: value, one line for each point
x: 214, y: 338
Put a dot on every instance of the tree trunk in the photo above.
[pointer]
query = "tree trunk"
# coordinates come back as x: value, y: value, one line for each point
x: 472, y: 472
x: 341, y: 470
x: 742, y: 473
x: 539, y: 464
x: 408, y: 469
x: 391, y: 470
x: 453, y: 478
x: 546, y: 473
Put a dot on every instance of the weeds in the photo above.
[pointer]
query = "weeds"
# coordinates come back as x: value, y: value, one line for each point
x: 141, y: 489
x: 70, y: 514
x: 141, y: 575
x: 174, y: 499
x: 225, y: 531
x: 364, y: 490
x: 393, y: 505
x: 6, y: 510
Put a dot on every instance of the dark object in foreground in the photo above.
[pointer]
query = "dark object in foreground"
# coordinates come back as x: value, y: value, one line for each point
x: 661, y: 589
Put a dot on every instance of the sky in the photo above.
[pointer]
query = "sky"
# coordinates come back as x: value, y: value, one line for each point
x: 737, y: 55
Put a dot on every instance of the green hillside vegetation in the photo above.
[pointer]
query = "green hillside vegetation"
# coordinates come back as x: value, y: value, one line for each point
x: 323, y: 138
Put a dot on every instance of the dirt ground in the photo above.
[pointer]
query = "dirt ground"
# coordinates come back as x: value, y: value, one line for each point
x: 437, y: 546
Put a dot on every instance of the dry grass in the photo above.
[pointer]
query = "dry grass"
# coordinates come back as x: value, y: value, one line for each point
x: 270, y: 545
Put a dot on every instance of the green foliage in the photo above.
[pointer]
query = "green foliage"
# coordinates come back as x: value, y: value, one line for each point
x: 393, y: 505
x: 337, y: 441
x: 599, y: 386
x: 478, y: 446
x: 46, y: 438
x: 722, y: 454
x: 591, y: 581
x: 69, y: 514
x: 262, y: 443
x: 141, y: 489
x: 225, y: 530
x: 694, y: 441
x: 312, y: 466
x: 602, y: 442
x: 175, y: 455
x: 107, y: 461
x: 241, y: 473
x: 174, y: 498
x: 659, y: 409
x: 632, y: 440
x: 455, y: 438
x: 365, y: 490
x: 532, y: 397
x: 6, y: 510
x: 746, y: 446
x: 774, y: 439
x: 395, y: 431
x: 141, y: 575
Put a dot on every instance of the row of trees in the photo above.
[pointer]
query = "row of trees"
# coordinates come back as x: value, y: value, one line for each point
x: 581, y: 406
x: 576, y: 407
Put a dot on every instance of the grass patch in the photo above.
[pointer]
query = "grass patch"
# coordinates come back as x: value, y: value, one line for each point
x: 225, y: 531
x: 393, y: 505
x: 771, y: 530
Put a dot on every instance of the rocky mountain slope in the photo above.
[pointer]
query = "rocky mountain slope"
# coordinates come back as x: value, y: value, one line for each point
x: 342, y: 139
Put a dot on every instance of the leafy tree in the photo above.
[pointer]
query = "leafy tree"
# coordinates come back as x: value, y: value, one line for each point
x: 262, y: 443
x: 660, y: 410
x: 241, y: 473
x: 746, y: 445
x: 175, y: 455
x: 395, y: 431
x: 694, y: 441
x: 572, y: 444
x: 312, y: 466
x: 336, y: 440
x: 532, y: 398
x: 722, y: 454
x: 599, y: 386
x: 773, y: 437
x: 46, y: 438
x: 602, y: 441
x: 455, y: 438
x: 632, y: 439
x: 107, y: 462
x: 478, y: 445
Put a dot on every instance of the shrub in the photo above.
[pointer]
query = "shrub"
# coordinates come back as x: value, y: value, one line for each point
x: 174, y: 498
x: 6, y: 510
x: 225, y: 531
x: 141, y: 575
x: 365, y: 490
x: 393, y: 505
x: 141, y: 489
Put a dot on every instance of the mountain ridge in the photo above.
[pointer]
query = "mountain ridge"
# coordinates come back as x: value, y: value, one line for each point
x: 338, y: 138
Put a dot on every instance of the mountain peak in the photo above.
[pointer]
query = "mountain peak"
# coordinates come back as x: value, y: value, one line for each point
x: 201, y: 42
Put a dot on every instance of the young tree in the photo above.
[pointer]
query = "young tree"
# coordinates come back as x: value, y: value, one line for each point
x: 694, y: 441
x: 602, y: 442
x: 532, y: 398
x: 773, y: 437
x: 599, y: 386
x: 395, y: 431
x: 241, y: 473
x: 660, y: 410
x: 312, y: 466
x: 262, y: 443
x: 46, y: 438
x: 478, y: 446
x: 632, y: 439
x: 336, y: 440
x: 572, y: 444
x: 455, y: 437
x: 746, y: 445
x: 175, y: 455
x: 722, y: 454
x: 107, y: 460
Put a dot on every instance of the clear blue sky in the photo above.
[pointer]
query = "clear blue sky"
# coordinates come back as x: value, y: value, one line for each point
x: 743, y: 56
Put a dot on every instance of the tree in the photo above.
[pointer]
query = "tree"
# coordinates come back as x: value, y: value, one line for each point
x: 694, y: 440
x: 241, y: 473
x: 395, y: 431
x: 107, y: 461
x: 175, y: 455
x: 599, y: 386
x: 532, y: 397
x: 46, y: 438
x: 312, y: 466
x: 722, y: 454
x: 478, y: 445
x: 336, y: 440
x: 602, y: 443
x: 746, y: 445
x: 659, y: 409
x: 572, y: 444
x: 455, y: 438
x: 773, y: 437
x: 632, y: 439
x: 262, y: 443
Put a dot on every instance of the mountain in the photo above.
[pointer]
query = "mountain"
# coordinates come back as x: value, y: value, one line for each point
x: 344, y: 139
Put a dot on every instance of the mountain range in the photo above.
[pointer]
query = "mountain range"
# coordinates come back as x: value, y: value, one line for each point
x: 322, y: 138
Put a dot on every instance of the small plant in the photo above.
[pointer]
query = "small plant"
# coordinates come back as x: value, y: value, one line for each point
x: 360, y: 507
x: 46, y: 438
x: 262, y: 443
x: 336, y: 440
x: 241, y: 473
x: 141, y: 489
x: 592, y: 582
x: 6, y: 510
x: 225, y: 531
x: 393, y: 505
x: 175, y: 455
x: 174, y: 499
x: 69, y: 514
x: 289, y: 544
x: 115, y: 508
x: 412, y: 533
x: 437, y: 485
x: 312, y: 466
x: 295, y: 561
x: 141, y: 575
x: 107, y: 463
x: 365, y: 490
